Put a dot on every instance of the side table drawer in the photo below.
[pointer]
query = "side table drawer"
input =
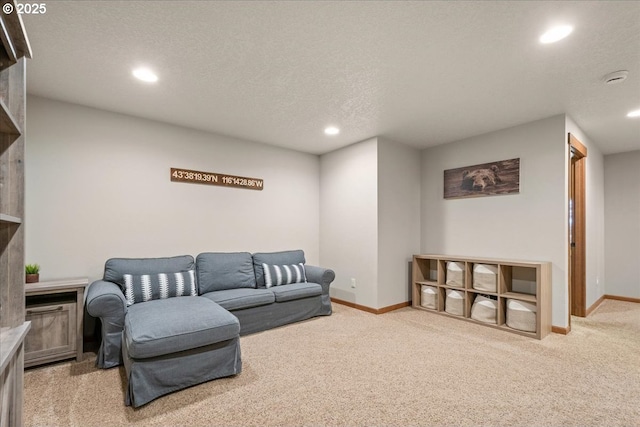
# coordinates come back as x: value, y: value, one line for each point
x: 53, y: 330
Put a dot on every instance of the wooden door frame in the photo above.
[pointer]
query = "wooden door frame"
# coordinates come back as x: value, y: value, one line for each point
x: 577, y: 262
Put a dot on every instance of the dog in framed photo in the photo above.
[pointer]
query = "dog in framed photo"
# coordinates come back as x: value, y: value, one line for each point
x: 480, y: 179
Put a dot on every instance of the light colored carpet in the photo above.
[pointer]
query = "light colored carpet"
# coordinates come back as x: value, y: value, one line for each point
x: 403, y: 368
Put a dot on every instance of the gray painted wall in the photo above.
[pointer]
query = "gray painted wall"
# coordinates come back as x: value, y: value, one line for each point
x: 98, y: 187
x: 349, y: 220
x: 398, y: 219
x: 370, y: 220
x: 622, y: 223
x: 530, y: 225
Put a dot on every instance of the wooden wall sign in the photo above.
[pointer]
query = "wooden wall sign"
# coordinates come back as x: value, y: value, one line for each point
x: 210, y: 178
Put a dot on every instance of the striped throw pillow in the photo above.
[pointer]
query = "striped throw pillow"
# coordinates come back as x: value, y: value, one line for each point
x: 147, y: 287
x: 276, y: 275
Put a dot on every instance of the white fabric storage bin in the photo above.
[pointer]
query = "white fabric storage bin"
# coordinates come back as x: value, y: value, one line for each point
x: 429, y: 297
x: 454, y: 303
x: 485, y: 277
x: 455, y: 273
x: 485, y: 310
x: 521, y: 315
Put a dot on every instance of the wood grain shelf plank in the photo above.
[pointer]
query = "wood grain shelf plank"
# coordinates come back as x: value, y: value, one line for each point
x: 8, y: 219
x: 51, y: 286
x: 481, y: 292
x: 15, y: 27
x: 478, y: 260
x: 455, y: 288
x: 14, y: 40
x: 8, y: 123
x: 10, y: 341
x: 8, y: 56
x: 519, y: 296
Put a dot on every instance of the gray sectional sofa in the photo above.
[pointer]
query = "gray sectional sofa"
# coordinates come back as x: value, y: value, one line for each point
x: 167, y: 344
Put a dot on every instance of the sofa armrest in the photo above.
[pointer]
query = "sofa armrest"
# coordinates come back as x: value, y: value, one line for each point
x: 322, y: 276
x: 106, y: 301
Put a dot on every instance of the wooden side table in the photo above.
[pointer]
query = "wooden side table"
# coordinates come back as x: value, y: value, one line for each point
x: 56, y: 310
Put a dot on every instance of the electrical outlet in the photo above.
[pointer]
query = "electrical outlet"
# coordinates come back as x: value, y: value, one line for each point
x: 353, y: 282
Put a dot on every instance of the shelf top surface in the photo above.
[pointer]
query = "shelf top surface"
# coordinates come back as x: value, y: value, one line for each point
x: 10, y: 219
x: 14, y: 27
x: 519, y: 296
x: 480, y: 291
x: 454, y: 287
x: 513, y: 262
x: 56, y: 285
x: 10, y: 339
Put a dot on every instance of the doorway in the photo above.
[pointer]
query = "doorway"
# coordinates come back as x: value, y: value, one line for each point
x: 577, y: 229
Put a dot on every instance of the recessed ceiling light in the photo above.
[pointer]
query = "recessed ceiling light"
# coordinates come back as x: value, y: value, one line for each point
x: 615, y: 77
x: 634, y: 113
x: 556, y: 33
x: 145, y: 74
x: 332, y: 130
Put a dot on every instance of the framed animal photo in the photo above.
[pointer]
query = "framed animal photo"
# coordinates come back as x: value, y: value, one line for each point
x: 486, y: 179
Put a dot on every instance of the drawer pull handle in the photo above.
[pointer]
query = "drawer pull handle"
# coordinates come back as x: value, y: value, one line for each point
x: 44, y: 310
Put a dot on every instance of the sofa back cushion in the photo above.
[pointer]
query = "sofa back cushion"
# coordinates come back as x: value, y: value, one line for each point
x: 217, y: 271
x: 115, y: 268
x: 275, y: 258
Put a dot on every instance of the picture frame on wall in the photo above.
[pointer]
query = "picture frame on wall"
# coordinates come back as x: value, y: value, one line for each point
x: 485, y: 179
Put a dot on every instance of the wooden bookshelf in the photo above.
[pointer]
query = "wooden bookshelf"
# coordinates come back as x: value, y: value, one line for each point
x: 14, y: 49
x: 525, y: 281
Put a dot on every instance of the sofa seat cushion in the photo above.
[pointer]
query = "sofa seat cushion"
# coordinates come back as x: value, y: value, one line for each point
x: 236, y: 299
x: 296, y: 291
x: 166, y: 326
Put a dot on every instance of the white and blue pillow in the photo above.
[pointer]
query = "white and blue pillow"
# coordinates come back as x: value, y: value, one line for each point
x: 148, y: 287
x: 276, y: 275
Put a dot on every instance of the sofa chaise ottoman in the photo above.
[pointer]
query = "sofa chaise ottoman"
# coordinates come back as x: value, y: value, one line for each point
x: 170, y: 344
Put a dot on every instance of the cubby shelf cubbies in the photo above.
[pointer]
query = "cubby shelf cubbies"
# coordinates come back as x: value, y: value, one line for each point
x: 528, y: 282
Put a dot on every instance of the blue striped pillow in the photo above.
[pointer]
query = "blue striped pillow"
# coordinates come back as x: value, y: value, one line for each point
x: 148, y: 287
x: 276, y: 275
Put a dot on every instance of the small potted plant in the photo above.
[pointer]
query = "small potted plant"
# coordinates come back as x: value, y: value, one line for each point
x: 32, y: 272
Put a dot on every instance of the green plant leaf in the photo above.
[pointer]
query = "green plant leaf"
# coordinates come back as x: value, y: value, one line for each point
x: 32, y: 269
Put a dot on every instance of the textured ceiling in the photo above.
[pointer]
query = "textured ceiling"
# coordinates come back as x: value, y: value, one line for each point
x: 421, y: 73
